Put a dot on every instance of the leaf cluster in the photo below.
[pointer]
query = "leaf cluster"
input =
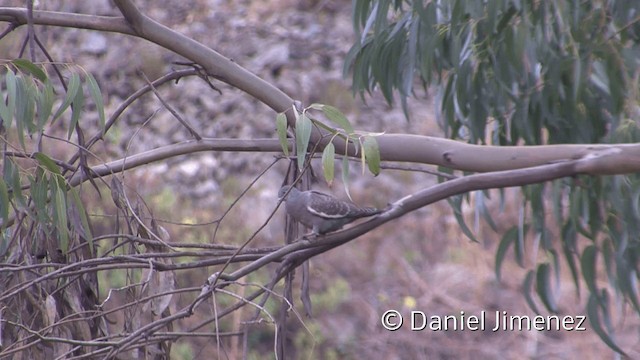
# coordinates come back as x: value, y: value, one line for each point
x: 365, y: 144
x: 528, y: 72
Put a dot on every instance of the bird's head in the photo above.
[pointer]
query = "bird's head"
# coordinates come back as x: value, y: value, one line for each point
x: 283, y: 191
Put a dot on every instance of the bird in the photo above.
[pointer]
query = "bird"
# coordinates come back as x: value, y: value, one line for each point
x: 323, y: 213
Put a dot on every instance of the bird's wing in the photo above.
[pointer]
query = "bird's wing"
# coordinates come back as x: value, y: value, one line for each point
x: 327, y: 206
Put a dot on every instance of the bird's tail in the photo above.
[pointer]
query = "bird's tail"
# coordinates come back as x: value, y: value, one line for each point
x: 369, y: 211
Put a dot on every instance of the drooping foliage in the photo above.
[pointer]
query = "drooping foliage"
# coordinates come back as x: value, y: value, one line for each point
x: 528, y: 73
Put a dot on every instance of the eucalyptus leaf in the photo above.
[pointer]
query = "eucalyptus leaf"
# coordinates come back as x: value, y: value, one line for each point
x: 303, y: 134
x: 96, y: 95
x: 31, y: 68
x: 544, y: 287
x: 4, y: 203
x: 507, y: 239
x: 345, y: 175
x: 328, y: 165
x: 371, y: 152
x: 60, y: 214
x: 48, y: 163
x: 281, y: 129
x: 593, y: 312
x: 44, y: 104
x: 527, y: 290
x: 76, y: 111
x: 337, y: 117
x: 588, y: 264
x: 72, y: 90
x: 84, y: 220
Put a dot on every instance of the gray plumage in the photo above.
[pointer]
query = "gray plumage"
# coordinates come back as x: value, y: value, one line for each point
x: 321, y: 212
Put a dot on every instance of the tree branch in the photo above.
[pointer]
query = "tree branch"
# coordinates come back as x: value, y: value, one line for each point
x: 393, y: 147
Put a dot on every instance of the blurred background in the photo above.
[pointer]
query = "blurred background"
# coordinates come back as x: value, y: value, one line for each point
x: 419, y: 262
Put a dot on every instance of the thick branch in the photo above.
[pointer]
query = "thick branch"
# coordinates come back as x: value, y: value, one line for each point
x: 18, y: 16
x: 422, y: 198
x: 603, y: 159
x: 623, y: 159
x: 186, y: 147
x: 393, y: 147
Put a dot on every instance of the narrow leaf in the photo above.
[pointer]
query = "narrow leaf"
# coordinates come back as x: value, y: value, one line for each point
x: 588, y: 264
x: 72, y: 90
x: 31, y: 68
x: 337, y: 117
x: 12, y: 177
x: 96, y: 95
x: 506, y: 241
x: 10, y: 108
x: 303, y: 134
x: 76, y: 110
x: 456, y: 203
x: 545, y: 288
x: 328, y: 165
x: 372, y: 154
x: 281, y: 129
x: 519, y: 248
x: 527, y: 287
x: 60, y: 214
x: 44, y: 103
x: 28, y: 114
x: 75, y: 197
x: 4, y: 203
x: 345, y: 175
x: 568, y: 242
x: 594, y: 318
x: 20, y: 109
x: 39, y: 195
x: 48, y: 163
x: 484, y: 211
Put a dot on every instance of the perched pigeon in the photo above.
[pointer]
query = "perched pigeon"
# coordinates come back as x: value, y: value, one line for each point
x: 321, y: 212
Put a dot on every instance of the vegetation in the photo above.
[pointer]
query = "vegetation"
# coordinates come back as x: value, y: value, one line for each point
x: 544, y: 94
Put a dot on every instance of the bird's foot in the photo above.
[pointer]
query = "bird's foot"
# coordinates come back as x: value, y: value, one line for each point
x: 312, y: 236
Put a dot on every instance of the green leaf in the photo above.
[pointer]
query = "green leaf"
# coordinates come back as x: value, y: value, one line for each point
x: 593, y: 312
x: 96, y: 95
x: 21, y: 110
x: 39, y: 195
x: 456, y: 203
x: 345, y: 174
x: 31, y: 68
x: 527, y: 287
x: 76, y: 110
x: 72, y: 90
x: 48, y: 163
x: 588, y: 264
x: 44, y: 103
x: 519, y: 244
x: 328, y: 165
x: 481, y: 207
x: 6, y: 110
x: 335, y: 116
x: 569, y: 237
x: 303, y: 134
x: 60, y: 214
x: 371, y: 153
x: 75, y: 197
x: 281, y: 129
x: 627, y: 280
x: 4, y: 203
x: 507, y: 239
x: 12, y: 176
x: 544, y: 287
